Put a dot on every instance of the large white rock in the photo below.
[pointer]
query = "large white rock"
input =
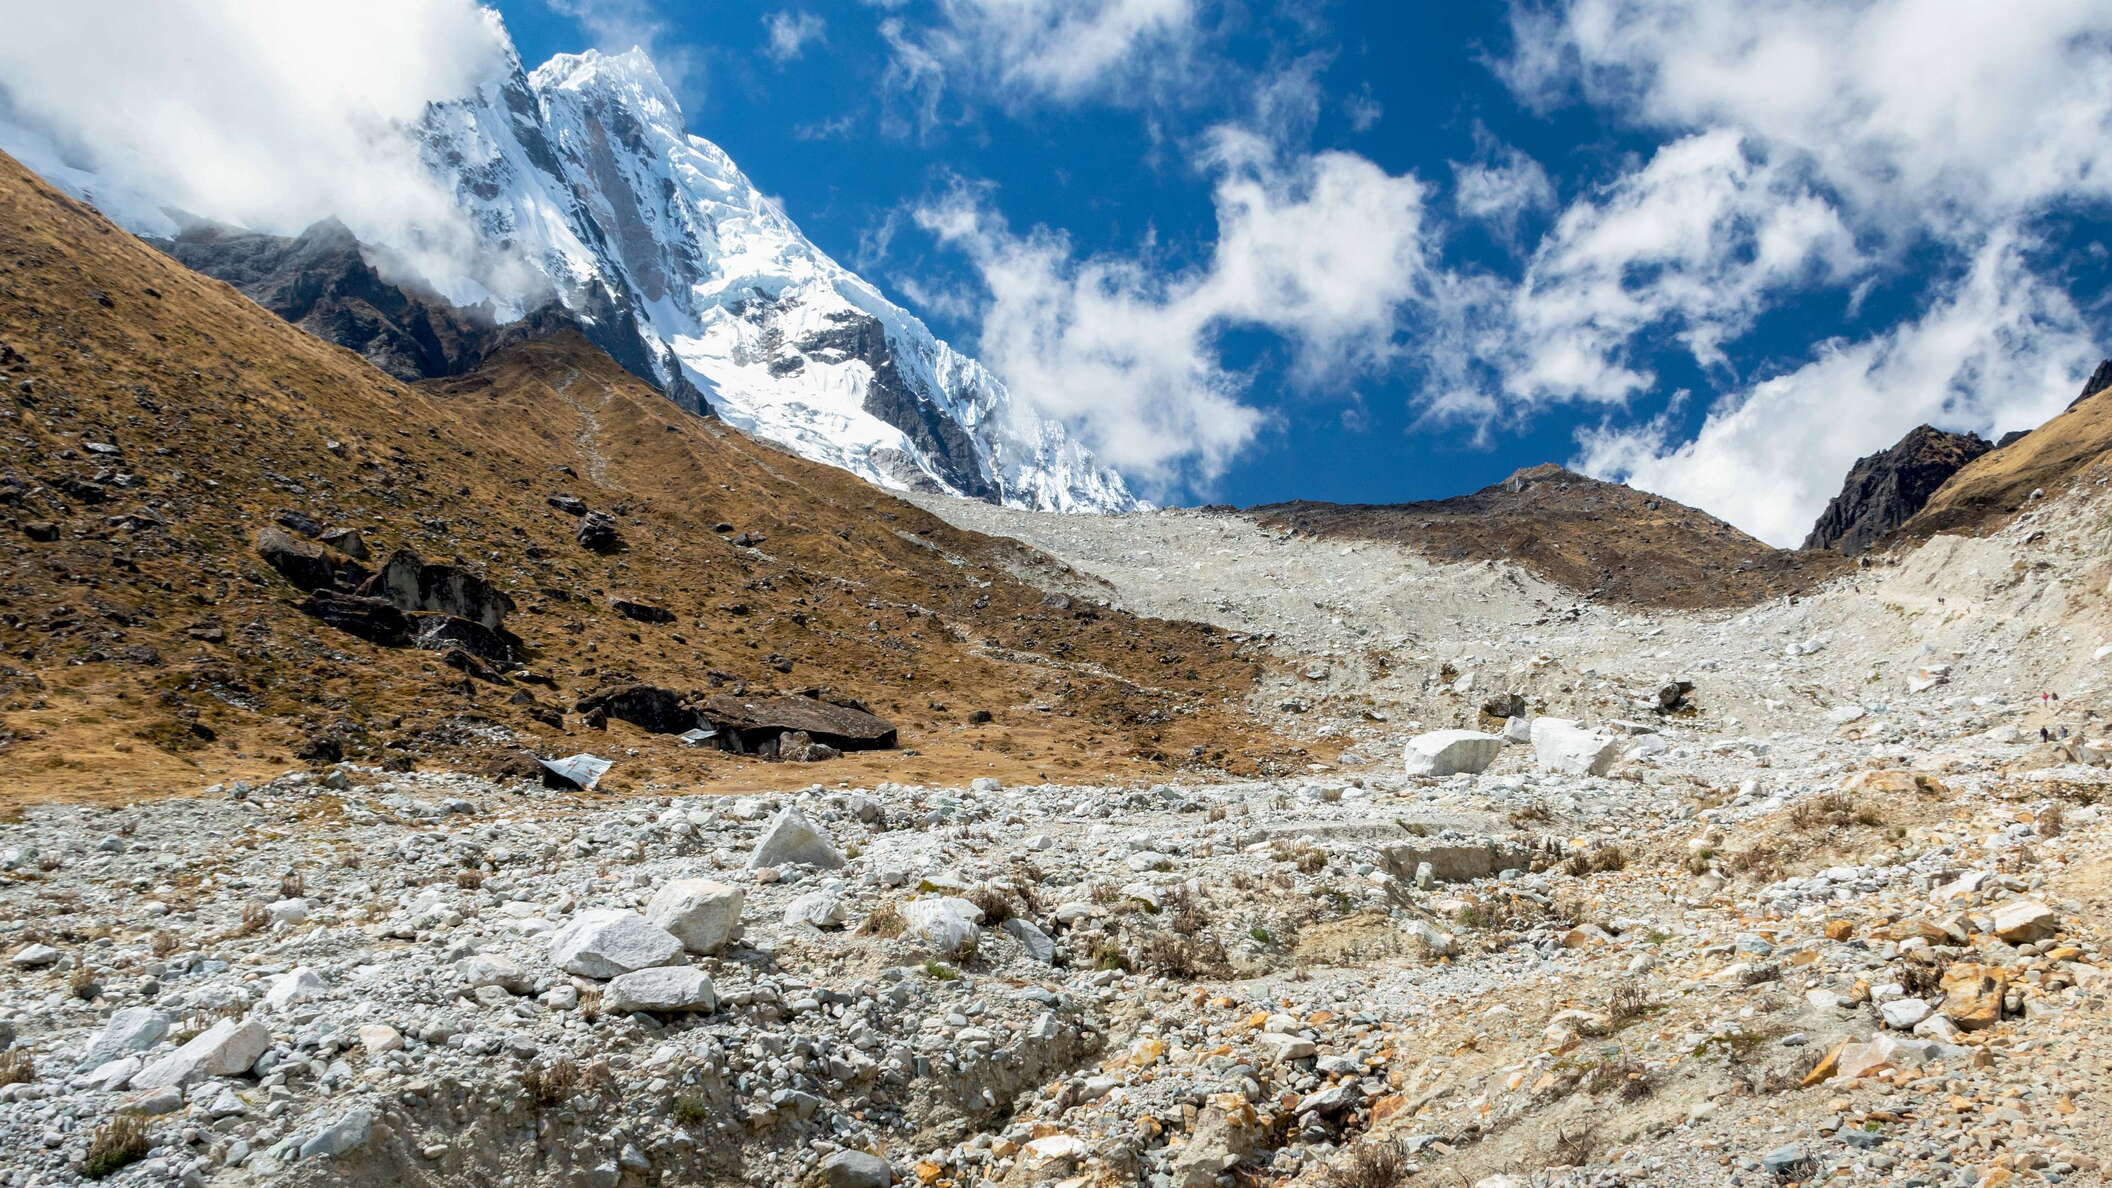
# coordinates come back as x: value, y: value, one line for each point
x: 295, y: 985
x: 793, y: 838
x: 821, y: 909
x: 225, y: 1049
x: 134, y: 1029
x: 671, y: 988
x: 1518, y: 731
x: 704, y: 914
x: 945, y: 922
x: 606, y: 943
x: 1449, y: 752
x: 490, y: 969
x: 1560, y: 744
x: 1036, y: 942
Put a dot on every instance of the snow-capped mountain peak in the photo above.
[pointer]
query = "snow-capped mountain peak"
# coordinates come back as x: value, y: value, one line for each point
x: 578, y: 180
x: 584, y: 168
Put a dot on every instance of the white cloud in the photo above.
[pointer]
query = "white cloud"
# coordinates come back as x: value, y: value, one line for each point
x: 1501, y: 187
x: 789, y: 32
x: 1938, y: 114
x: 1326, y: 250
x: 1815, y: 146
x: 258, y: 112
x: 1999, y: 350
x: 1065, y: 51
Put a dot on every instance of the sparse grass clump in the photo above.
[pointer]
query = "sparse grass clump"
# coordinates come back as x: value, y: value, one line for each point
x: 1375, y: 1163
x: 1575, y: 1147
x: 1605, y: 859
x: 1627, y: 1079
x: 562, y: 1080
x: 1833, y: 810
x: 469, y: 878
x: 996, y: 904
x: 1629, y: 1004
x: 292, y: 885
x: 254, y: 920
x: 16, y: 1067
x: 1183, y: 956
x: 116, y: 1144
x: 883, y: 921
x: 691, y: 1109
x: 939, y: 971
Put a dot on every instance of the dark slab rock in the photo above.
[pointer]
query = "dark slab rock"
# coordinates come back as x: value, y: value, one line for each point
x: 642, y: 612
x: 442, y: 633
x: 597, y: 532
x: 752, y: 722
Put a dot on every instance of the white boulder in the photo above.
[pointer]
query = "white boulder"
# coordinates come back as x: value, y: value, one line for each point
x: 1560, y: 744
x: 1450, y: 752
x: 606, y: 943
x: 821, y: 909
x: 666, y: 989
x: 704, y: 914
x: 225, y: 1049
x: 793, y: 838
x: 945, y: 922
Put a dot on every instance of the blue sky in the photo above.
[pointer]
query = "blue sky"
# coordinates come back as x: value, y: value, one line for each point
x: 1256, y: 250
x: 1721, y: 253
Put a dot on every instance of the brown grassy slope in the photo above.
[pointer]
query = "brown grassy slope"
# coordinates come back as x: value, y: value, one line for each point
x: 139, y: 658
x: 1603, y: 539
x: 1987, y: 491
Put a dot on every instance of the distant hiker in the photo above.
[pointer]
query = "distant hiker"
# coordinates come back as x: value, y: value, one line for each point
x: 2043, y: 736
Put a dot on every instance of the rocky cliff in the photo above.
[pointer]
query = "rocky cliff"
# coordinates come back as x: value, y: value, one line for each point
x: 1885, y: 489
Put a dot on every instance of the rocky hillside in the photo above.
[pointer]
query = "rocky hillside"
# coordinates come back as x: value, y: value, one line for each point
x: 1991, y: 489
x: 1602, y: 539
x: 1885, y: 489
x: 236, y: 547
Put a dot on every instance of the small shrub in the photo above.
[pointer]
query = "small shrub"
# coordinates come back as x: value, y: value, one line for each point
x: 163, y: 943
x: 469, y: 878
x: 551, y: 1083
x: 939, y: 971
x: 1533, y: 812
x: 116, y: 1144
x: 1630, y: 1002
x: 1574, y: 1148
x: 1376, y: 1163
x: 1627, y: 1079
x: 996, y: 905
x: 1107, y: 954
x: 1182, y: 956
x: 2053, y: 821
x: 82, y: 983
x: 1311, y: 860
x: 884, y: 921
x: 254, y: 920
x: 293, y: 885
x: 16, y: 1067
x: 691, y: 1109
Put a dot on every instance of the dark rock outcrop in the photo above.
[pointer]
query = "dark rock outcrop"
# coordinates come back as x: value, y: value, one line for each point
x: 754, y: 724
x: 327, y: 282
x: 443, y: 633
x: 375, y: 620
x: 309, y: 566
x: 648, y: 707
x: 1885, y: 489
x: 413, y: 584
x: 597, y: 532
x: 2099, y: 380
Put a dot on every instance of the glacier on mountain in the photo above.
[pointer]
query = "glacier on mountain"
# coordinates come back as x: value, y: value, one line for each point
x: 578, y: 179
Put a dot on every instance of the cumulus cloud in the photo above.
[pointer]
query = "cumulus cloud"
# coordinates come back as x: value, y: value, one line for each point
x: 2001, y: 349
x: 789, y: 32
x: 1696, y: 244
x: 255, y: 112
x: 1327, y: 250
x: 1814, y: 146
x: 1065, y: 51
x: 1500, y: 187
x: 1936, y: 114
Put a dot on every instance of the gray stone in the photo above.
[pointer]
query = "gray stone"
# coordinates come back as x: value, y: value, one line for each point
x: 134, y: 1029
x: 820, y: 909
x: 482, y: 969
x: 1036, y: 942
x: 945, y: 922
x: 607, y: 943
x: 703, y: 914
x: 793, y: 838
x: 1562, y: 745
x: 668, y: 988
x: 855, y: 1169
x: 348, y: 1133
x: 225, y: 1049
x: 1450, y: 752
